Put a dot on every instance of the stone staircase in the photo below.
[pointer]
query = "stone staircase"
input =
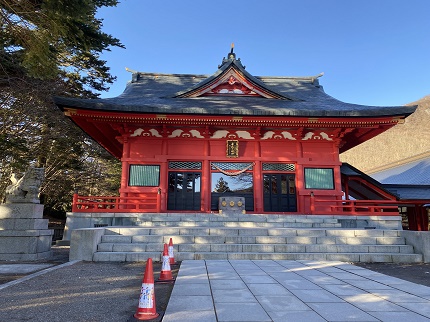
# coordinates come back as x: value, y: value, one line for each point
x: 276, y: 237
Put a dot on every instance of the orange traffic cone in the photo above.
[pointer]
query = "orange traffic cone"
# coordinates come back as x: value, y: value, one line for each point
x: 146, y: 309
x: 166, y: 272
x: 171, y: 255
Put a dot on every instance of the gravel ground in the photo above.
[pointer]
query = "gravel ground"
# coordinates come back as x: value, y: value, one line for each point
x: 84, y: 291
x: 415, y: 273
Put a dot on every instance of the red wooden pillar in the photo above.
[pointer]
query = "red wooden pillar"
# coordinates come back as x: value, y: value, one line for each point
x: 346, y: 187
x: 423, y: 218
x: 205, y: 193
x: 258, y: 177
x: 164, y: 174
x: 426, y: 218
x: 412, y: 220
x: 312, y: 200
x: 124, y: 166
x: 206, y: 187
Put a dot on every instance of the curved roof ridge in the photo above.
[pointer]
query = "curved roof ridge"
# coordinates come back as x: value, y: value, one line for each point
x: 234, y: 65
x: 294, y: 77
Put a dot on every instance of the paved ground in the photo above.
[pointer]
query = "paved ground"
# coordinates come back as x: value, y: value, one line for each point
x: 309, y: 291
x: 216, y: 291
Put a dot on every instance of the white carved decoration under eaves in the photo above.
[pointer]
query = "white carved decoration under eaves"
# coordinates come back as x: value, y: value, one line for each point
x: 317, y: 136
x: 146, y: 133
x: 278, y: 135
x: 178, y: 133
x: 222, y: 134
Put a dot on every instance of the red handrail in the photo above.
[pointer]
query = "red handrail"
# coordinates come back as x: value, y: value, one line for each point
x: 152, y: 203
x: 149, y: 203
x: 355, y: 207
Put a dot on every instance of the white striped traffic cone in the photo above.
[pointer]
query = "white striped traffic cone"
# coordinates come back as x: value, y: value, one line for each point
x: 171, y: 254
x: 146, y: 310
x: 166, y: 272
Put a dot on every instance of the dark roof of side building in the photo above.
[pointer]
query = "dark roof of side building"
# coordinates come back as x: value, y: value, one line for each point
x: 405, y: 187
x: 409, y: 192
x: 292, y: 96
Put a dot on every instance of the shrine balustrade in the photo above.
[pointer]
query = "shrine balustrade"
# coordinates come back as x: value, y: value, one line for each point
x: 354, y: 207
x: 149, y: 203
x: 152, y: 203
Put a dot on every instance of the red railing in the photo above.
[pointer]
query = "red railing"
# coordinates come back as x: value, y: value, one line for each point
x: 355, y: 207
x: 150, y: 203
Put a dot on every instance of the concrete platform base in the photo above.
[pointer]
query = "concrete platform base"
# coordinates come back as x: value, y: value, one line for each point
x: 24, y: 234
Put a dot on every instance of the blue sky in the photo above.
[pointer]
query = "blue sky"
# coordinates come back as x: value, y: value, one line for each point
x: 372, y: 52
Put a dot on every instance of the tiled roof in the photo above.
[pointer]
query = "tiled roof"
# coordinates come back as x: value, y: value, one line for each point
x: 409, y: 192
x: 155, y: 93
x: 402, y: 190
x: 414, y: 173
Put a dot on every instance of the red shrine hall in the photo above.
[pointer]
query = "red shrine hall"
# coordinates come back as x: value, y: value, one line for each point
x: 189, y: 143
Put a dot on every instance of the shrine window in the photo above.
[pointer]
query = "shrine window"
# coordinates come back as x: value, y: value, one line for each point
x: 144, y: 175
x: 319, y: 178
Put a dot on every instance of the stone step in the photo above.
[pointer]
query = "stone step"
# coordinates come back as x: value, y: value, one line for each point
x: 236, y: 224
x: 201, y: 218
x: 228, y: 231
x: 257, y: 248
x: 187, y: 239
x: 345, y: 257
x: 252, y: 237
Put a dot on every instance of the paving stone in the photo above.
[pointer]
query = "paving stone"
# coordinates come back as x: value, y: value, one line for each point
x: 397, y: 296
x: 296, y: 316
x: 268, y: 289
x: 368, y: 285
x: 298, y: 284
x: 324, y: 280
x: 230, y: 312
x: 369, y: 303
x: 191, y: 288
x: 343, y: 289
x: 399, y: 317
x: 316, y: 296
x: 228, y: 285
x: 409, y: 287
x: 190, y: 303
x: 258, y: 279
x: 341, y: 312
x: 276, y: 303
x: 233, y: 296
x: 190, y: 316
x: 417, y: 308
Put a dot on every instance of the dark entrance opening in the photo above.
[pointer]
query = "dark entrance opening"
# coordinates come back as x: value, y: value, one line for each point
x: 224, y: 185
x: 279, y: 192
x: 184, y: 191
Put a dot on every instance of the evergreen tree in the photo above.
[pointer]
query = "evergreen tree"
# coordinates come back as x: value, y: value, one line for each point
x: 222, y: 186
x: 52, y: 47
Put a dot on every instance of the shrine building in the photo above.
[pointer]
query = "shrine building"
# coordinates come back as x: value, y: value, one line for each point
x: 197, y: 143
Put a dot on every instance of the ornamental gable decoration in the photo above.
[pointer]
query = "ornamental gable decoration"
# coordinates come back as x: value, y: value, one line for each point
x: 231, y: 79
